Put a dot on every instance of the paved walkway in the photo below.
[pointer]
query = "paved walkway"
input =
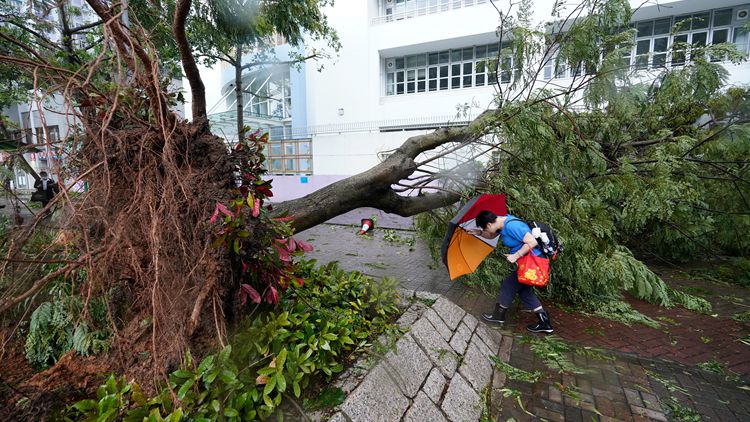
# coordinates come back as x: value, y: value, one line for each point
x: 540, y: 378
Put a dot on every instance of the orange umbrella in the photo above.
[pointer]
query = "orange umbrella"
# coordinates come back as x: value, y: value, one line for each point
x: 461, y: 251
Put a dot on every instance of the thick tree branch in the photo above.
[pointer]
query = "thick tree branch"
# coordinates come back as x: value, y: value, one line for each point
x: 197, y: 89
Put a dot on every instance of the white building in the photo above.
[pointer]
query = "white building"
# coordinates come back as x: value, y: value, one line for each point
x: 408, y: 66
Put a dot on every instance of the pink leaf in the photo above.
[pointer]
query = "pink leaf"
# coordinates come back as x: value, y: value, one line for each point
x: 288, y: 218
x: 249, y: 291
x: 305, y: 246
x: 223, y: 209
x: 214, y: 215
x: 291, y: 245
x: 283, y: 253
x: 272, y: 296
x: 244, y: 266
x: 256, y: 208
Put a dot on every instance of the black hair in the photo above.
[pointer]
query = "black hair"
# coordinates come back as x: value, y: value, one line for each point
x: 42, y: 173
x: 484, y: 218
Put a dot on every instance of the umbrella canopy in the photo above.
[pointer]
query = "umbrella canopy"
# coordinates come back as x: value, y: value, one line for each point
x: 461, y: 251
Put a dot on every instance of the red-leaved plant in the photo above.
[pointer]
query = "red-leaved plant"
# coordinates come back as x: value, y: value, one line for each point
x: 263, y: 245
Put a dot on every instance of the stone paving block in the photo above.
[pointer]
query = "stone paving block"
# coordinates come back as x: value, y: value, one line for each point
x: 633, y: 397
x: 651, y: 414
x: 442, y: 329
x: 476, y: 368
x: 477, y: 341
x: 498, y: 379
x: 461, y: 402
x: 407, y: 318
x: 409, y: 364
x: 460, y: 338
x: 376, y: 399
x: 423, y: 410
x: 470, y: 321
x: 421, y: 294
x: 506, y: 345
x: 650, y: 401
x: 449, y: 312
x: 338, y: 417
x: 491, y: 337
x: 439, y: 351
x: 350, y: 379
x: 434, y: 385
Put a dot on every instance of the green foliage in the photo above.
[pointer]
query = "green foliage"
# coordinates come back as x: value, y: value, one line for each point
x: 514, y: 373
x: 553, y: 351
x: 315, y: 330
x: 64, y: 323
x: 623, y: 312
x: 326, y: 399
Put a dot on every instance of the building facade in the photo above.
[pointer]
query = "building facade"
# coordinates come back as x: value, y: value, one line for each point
x: 409, y: 66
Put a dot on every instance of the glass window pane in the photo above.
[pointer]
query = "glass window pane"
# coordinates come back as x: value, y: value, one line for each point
x: 433, y: 72
x: 400, y: 63
x: 722, y: 17
x: 304, y: 147
x: 275, y: 149
x: 444, y: 57
x: 433, y: 58
x: 740, y: 39
x: 467, y: 81
x: 700, y: 38
x: 410, y: 87
x: 411, y: 61
x: 645, y: 29
x: 399, y: 88
x: 455, y: 56
x: 444, y: 83
x: 289, y: 164
x: 468, y: 68
x: 660, y: 60
x: 411, y: 75
x: 662, y: 26
x: 720, y: 36
x: 455, y: 83
x: 455, y: 70
x: 660, y: 44
x: 289, y: 148
x: 492, y: 50
x: 700, y: 20
x: 480, y: 66
x: 643, y: 47
x: 421, y: 74
x: 682, y: 23
x: 468, y: 53
x: 432, y: 85
x: 304, y: 164
x: 420, y: 86
x: 422, y: 60
x: 275, y: 164
x: 443, y: 71
x: 480, y: 79
x: 481, y: 51
x: 399, y: 76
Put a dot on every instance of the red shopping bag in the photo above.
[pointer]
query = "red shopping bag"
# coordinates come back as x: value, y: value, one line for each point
x: 533, y: 270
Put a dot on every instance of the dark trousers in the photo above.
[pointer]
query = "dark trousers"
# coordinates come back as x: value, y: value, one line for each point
x: 511, y: 287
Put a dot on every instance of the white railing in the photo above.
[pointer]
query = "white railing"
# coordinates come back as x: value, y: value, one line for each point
x: 411, y: 10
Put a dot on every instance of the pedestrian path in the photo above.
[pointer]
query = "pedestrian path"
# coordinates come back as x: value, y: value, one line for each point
x: 538, y: 377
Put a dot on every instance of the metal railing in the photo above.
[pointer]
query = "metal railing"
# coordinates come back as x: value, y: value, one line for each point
x: 412, y: 11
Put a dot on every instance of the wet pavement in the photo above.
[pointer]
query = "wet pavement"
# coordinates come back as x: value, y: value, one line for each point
x: 692, y: 367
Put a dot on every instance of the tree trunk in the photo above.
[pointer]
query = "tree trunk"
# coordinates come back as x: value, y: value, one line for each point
x: 238, y: 92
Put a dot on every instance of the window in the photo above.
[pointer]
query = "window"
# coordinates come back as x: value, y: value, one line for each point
x: 267, y: 93
x: 290, y: 156
x: 442, y: 70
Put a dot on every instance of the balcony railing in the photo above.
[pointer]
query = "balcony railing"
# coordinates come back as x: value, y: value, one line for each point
x: 415, y: 8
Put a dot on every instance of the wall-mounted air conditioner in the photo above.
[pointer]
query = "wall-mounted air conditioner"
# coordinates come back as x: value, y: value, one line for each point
x: 741, y: 14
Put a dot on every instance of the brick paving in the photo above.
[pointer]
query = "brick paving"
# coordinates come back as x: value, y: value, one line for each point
x: 634, y: 373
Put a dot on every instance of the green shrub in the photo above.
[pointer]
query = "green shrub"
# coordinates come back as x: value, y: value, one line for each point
x: 313, y: 333
x: 60, y: 324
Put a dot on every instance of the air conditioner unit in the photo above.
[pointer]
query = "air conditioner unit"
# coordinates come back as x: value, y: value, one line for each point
x: 742, y: 14
x: 390, y: 64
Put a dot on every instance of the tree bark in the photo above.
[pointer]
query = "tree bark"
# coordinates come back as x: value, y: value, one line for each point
x: 197, y: 89
x: 373, y: 188
x: 238, y: 92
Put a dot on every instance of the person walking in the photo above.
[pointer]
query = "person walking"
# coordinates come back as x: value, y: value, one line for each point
x: 516, y: 235
x: 46, y: 188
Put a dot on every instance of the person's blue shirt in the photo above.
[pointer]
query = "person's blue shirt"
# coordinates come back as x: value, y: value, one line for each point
x: 513, y: 233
